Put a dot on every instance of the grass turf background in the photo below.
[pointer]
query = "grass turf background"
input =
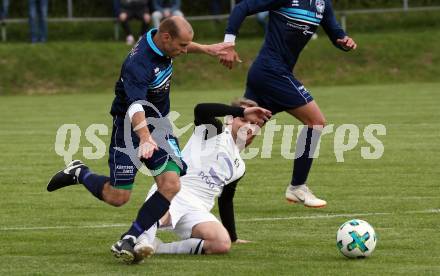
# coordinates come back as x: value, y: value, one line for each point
x: 392, y: 190
x: 392, y: 79
x: 392, y: 48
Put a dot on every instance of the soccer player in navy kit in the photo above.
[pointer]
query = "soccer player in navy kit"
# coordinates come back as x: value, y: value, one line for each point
x: 270, y: 80
x: 142, y: 92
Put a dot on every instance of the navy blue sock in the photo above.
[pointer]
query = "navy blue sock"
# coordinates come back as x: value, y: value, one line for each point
x: 151, y: 211
x: 93, y: 182
x: 305, y: 148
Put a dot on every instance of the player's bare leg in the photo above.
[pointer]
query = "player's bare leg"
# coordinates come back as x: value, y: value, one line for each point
x: 209, y: 237
x: 309, y: 114
x: 168, y: 184
x: 115, y: 197
x: 215, y: 236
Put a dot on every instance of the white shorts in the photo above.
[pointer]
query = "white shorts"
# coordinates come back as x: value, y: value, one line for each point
x: 186, y: 223
x: 186, y: 211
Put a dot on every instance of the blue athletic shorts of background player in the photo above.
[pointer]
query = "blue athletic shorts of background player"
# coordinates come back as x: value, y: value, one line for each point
x: 139, y: 122
x: 270, y: 80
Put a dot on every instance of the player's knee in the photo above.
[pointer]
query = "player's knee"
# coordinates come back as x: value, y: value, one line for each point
x: 221, y: 247
x: 120, y: 201
x: 322, y: 122
x: 173, y: 186
x: 169, y: 187
x: 221, y: 244
x: 117, y: 198
x: 318, y: 123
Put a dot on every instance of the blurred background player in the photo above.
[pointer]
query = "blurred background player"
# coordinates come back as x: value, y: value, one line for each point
x: 214, y: 169
x: 215, y: 7
x: 134, y: 9
x: 4, y: 7
x: 38, y: 20
x: 164, y: 9
x: 270, y: 81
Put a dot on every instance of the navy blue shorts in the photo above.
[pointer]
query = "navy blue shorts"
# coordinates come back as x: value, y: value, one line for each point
x: 124, y: 163
x: 275, y: 89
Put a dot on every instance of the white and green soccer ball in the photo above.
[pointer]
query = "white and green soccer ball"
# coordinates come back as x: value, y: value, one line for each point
x: 356, y: 239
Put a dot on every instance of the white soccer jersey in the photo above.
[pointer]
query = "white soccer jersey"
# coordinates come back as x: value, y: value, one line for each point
x: 212, y: 164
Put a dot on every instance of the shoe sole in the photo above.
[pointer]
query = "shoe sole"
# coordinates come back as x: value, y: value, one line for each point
x: 127, y: 256
x: 115, y: 252
x: 290, y: 201
x: 124, y: 255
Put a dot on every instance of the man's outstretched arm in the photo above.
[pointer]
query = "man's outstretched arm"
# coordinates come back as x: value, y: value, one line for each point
x: 236, y: 18
x: 210, y: 49
x: 334, y: 31
x: 245, y: 8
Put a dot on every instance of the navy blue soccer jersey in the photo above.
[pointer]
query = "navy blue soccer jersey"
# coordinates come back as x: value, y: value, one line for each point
x: 145, y: 75
x: 291, y: 25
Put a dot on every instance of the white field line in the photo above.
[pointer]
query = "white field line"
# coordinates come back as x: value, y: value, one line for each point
x: 341, y: 215
x: 64, y: 227
x: 326, y: 216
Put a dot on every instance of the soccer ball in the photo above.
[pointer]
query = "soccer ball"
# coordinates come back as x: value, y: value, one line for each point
x: 356, y: 239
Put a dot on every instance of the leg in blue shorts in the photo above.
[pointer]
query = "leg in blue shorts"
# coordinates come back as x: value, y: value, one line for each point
x: 278, y: 90
x: 116, y: 189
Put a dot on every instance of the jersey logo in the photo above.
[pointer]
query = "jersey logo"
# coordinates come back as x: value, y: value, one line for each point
x: 320, y: 6
x: 135, y: 49
x: 237, y: 162
x: 213, y: 179
x: 161, y: 78
x: 304, y: 28
x: 295, y: 3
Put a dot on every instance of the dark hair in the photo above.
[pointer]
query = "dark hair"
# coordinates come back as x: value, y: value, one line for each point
x: 240, y: 102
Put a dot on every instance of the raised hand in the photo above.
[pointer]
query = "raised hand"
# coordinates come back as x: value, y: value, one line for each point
x: 257, y: 115
x: 230, y: 57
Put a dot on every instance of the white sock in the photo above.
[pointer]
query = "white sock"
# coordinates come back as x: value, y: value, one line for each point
x: 189, y: 246
x: 148, y: 235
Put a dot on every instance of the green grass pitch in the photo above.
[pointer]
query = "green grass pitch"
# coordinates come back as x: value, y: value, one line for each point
x: 69, y: 232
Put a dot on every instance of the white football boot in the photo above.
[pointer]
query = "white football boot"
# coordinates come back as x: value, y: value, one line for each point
x: 302, y: 194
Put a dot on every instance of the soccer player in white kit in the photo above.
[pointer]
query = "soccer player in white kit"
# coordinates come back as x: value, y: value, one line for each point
x: 214, y: 168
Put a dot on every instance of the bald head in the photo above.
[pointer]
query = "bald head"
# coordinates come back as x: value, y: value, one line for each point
x: 174, y: 36
x: 176, y: 26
